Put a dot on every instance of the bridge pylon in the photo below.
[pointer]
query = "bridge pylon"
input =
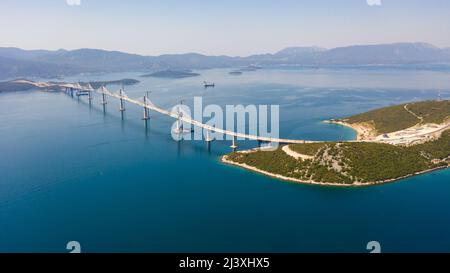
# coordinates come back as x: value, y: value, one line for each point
x: 90, y: 90
x: 180, y: 126
x: 146, y: 115
x: 104, y: 102
x: 70, y: 91
x: 103, y: 90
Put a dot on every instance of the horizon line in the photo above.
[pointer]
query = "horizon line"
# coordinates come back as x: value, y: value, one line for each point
x: 220, y: 55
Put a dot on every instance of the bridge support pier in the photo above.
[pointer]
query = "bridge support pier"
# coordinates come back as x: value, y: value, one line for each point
x: 208, y: 138
x: 259, y: 143
x: 208, y: 146
x: 104, y: 99
x: 234, y: 144
x: 122, y: 105
x: 146, y: 128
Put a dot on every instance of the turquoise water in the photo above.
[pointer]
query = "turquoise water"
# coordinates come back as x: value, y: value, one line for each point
x: 69, y: 171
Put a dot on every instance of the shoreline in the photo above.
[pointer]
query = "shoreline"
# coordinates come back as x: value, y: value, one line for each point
x: 224, y: 159
x: 362, y: 131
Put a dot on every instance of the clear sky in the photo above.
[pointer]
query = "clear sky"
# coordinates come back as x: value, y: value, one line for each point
x: 215, y: 27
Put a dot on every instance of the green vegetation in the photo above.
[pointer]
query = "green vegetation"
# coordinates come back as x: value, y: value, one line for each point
x: 369, y: 162
x: 383, y: 121
x: 439, y: 148
x: 431, y: 111
x: 308, y: 149
x: 277, y: 162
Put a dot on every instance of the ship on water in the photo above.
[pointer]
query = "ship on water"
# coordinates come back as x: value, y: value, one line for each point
x: 208, y: 84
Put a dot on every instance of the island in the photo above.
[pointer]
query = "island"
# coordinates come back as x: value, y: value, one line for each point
x: 98, y: 84
x: 173, y: 74
x: 250, y: 68
x: 393, y: 143
x: 235, y: 73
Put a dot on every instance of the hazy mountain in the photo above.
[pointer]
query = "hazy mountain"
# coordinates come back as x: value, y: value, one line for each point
x: 17, y: 53
x: 195, y: 61
x: 15, y: 62
x: 290, y: 55
x: 400, y: 53
x: 387, y: 54
x: 299, y: 51
x: 16, y: 68
x: 98, y: 60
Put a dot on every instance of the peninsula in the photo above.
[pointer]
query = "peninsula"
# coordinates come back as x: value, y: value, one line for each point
x: 26, y: 85
x: 393, y: 143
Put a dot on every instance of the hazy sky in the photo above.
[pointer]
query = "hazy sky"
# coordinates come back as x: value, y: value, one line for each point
x: 231, y: 27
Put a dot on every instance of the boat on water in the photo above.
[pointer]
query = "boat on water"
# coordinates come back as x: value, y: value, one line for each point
x: 208, y: 84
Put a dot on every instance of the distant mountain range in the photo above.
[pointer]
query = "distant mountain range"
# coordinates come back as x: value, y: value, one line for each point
x: 15, y: 62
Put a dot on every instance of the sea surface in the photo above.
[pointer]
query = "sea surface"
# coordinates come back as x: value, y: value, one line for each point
x: 70, y: 171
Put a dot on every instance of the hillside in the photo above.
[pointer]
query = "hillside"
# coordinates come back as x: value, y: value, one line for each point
x: 399, y: 117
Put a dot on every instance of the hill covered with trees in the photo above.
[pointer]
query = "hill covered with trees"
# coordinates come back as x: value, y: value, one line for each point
x: 400, y: 117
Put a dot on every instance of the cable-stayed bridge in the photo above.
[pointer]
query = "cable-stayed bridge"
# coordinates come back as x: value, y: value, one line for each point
x: 146, y: 104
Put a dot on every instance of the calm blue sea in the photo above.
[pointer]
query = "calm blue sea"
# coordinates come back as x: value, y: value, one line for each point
x: 71, y: 172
